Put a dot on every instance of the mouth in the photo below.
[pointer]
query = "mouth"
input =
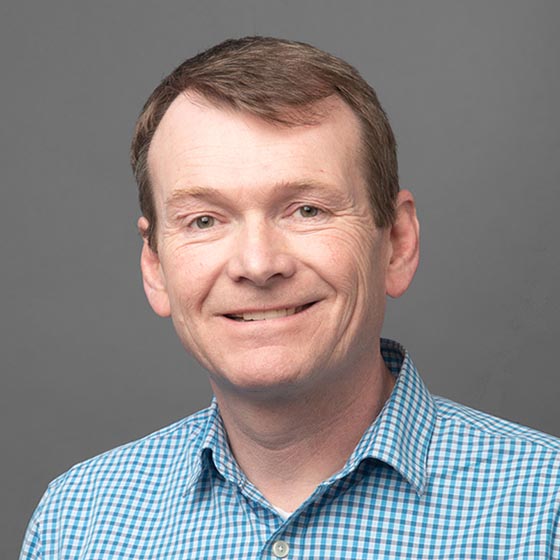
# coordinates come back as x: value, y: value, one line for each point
x: 268, y: 314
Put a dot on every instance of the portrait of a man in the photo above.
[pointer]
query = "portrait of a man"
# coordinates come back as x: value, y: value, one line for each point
x: 273, y: 230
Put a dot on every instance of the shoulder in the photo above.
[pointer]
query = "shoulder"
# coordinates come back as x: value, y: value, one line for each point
x: 116, y: 488
x: 159, y: 459
x: 469, y: 430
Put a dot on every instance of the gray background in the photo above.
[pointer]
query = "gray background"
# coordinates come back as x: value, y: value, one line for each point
x: 472, y: 89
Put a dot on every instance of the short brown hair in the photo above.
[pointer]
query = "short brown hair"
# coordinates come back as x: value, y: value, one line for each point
x: 281, y: 82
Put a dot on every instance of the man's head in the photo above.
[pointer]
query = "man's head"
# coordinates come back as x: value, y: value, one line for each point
x: 269, y: 254
x: 281, y: 82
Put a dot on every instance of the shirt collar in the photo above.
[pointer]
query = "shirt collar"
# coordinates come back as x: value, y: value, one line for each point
x: 399, y: 436
x: 213, y: 452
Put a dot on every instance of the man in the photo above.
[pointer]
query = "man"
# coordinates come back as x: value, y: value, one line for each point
x: 273, y: 230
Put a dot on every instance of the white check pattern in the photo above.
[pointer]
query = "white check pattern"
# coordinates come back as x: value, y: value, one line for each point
x: 430, y: 479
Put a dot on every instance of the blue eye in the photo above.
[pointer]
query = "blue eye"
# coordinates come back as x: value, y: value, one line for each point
x: 307, y: 211
x: 204, y: 222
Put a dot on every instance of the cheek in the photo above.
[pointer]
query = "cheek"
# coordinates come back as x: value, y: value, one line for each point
x: 190, y: 276
x: 352, y: 259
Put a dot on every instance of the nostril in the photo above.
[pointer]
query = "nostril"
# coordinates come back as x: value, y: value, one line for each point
x: 261, y: 267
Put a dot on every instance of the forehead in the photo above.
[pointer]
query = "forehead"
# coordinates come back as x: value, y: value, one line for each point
x: 197, y: 143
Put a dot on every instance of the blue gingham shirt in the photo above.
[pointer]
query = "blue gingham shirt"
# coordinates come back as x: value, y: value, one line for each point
x: 429, y: 479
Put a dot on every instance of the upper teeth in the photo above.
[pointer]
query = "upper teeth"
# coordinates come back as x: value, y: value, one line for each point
x: 263, y: 315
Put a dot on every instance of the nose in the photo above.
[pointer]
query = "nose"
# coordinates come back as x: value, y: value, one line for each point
x: 260, y: 255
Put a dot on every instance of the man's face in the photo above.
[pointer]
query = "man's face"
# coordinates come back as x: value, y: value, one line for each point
x: 268, y: 260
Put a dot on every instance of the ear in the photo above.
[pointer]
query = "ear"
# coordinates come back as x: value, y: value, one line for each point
x: 404, y: 242
x: 152, y: 275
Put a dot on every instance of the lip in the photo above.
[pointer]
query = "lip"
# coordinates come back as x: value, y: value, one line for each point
x: 236, y: 316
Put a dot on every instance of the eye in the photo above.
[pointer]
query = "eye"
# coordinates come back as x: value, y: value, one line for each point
x: 307, y: 211
x: 204, y: 222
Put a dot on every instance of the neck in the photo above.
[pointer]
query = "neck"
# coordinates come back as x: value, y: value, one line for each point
x: 286, y: 447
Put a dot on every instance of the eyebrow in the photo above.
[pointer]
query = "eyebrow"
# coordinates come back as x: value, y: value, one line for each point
x: 179, y: 196
x: 285, y: 188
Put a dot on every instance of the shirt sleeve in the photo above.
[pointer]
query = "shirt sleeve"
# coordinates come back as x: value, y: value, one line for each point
x: 555, y: 554
x: 32, y: 543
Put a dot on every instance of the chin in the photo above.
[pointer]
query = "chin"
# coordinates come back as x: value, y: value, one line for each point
x: 260, y: 377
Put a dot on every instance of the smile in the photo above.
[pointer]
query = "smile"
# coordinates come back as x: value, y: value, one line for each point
x: 268, y: 315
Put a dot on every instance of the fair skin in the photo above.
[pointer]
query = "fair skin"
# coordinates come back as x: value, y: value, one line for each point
x: 274, y: 274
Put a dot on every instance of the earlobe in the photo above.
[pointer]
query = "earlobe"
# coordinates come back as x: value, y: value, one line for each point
x: 404, y: 246
x: 152, y: 275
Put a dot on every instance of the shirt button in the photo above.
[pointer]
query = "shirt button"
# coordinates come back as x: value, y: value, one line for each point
x: 280, y: 549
